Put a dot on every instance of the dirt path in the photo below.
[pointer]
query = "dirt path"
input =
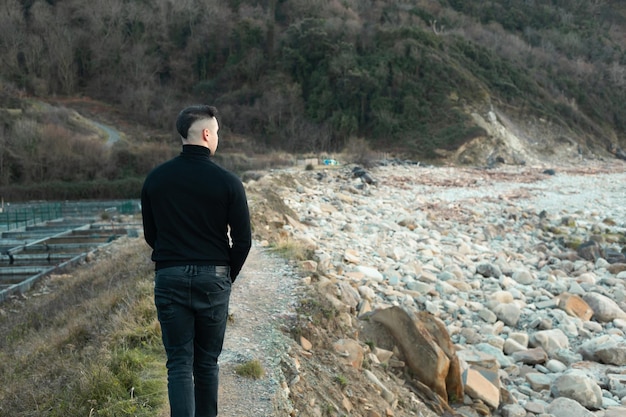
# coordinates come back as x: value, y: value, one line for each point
x: 261, y: 302
x: 113, y: 135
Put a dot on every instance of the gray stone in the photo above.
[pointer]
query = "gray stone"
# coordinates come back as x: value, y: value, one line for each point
x: 367, y: 292
x: 552, y: 303
x: 520, y: 337
x: 530, y: 356
x: 421, y: 287
x: 509, y: 313
x: 535, y: 407
x: 488, y: 270
x: 617, y: 384
x: 612, y: 353
x: 511, y: 346
x: 604, y: 309
x: 567, y: 356
x: 576, y: 385
x: 513, y: 410
x: 615, y: 411
x: 550, y: 340
x: 565, y: 407
x: 488, y: 315
x: 349, y: 295
x: 556, y: 366
x: 539, y: 381
x: 503, y: 360
x: 523, y: 276
x: 576, y: 288
x: 446, y: 276
x: 370, y: 273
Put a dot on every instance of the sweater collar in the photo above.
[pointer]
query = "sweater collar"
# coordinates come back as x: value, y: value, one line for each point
x: 196, y: 151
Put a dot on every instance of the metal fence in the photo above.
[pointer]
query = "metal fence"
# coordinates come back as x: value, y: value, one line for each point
x: 23, y: 215
x: 26, y: 216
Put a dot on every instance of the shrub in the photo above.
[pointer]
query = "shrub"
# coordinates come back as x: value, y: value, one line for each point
x: 251, y: 369
x: 291, y: 249
x: 357, y: 151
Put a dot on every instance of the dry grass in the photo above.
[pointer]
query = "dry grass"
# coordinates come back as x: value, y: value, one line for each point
x: 291, y: 249
x: 86, y: 343
x: 251, y: 369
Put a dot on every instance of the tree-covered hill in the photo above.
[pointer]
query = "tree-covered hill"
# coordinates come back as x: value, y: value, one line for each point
x: 310, y: 75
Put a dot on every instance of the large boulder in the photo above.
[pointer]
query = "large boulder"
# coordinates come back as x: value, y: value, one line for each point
x: 426, y: 356
x: 438, y: 330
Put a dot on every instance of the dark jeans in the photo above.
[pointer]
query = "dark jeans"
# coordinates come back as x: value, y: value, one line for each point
x: 192, y: 306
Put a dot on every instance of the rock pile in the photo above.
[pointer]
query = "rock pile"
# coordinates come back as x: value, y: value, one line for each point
x: 526, y: 270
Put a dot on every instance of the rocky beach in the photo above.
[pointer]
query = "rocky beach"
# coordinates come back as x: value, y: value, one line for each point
x: 523, y: 266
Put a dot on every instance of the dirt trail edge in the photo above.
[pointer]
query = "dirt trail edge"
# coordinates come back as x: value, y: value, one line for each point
x: 262, y: 301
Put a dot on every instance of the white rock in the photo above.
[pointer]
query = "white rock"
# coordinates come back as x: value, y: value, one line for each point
x: 511, y: 346
x: 523, y: 276
x: 556, y: 366
x: 370, y: 272
x: 565, y: 407
x: 550, y: 340
x: 604, y: 309
x: 508, y: 313
x: 367, y: 292
x: 576, y: 385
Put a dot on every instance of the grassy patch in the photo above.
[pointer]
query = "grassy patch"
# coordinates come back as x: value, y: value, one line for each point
x: 90, y: 346
x: 251, y: 369
x: 292, y: 249
x: 341, y: 380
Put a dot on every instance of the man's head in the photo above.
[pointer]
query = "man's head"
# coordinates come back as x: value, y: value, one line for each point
x: 197, y: 125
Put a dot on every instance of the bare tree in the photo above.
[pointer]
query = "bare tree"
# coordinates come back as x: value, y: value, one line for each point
x: 618, y: 74
x: 12, y: 37
x: 61, y: 51
x: 28, y: 164
x: 4, y: 163
x: 51, y: 53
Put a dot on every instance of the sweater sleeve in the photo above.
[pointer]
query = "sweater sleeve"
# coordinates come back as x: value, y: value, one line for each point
x: 240, y: 230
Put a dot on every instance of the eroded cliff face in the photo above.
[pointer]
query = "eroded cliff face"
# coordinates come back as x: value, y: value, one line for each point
x: 518, y: 140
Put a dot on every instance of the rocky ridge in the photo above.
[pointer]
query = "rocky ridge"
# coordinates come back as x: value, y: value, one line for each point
x: 524, y: 266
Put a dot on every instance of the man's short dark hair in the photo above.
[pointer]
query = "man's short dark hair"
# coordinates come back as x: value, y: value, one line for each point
x: 189, y: 115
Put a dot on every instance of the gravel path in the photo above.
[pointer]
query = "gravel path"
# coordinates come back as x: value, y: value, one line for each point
x: 263, y: 298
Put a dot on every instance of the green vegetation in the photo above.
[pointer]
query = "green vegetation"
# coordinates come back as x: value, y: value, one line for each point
x: 251, y: 369
x: 330, y: 410
x: 91, y: 346
x: 291, y: 249
x: 341, y: 380
x: 102, y: 189
x: 317, y: 310
x: 297, y: 76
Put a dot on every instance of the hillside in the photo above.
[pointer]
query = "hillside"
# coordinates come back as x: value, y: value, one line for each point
x: 436, y: 81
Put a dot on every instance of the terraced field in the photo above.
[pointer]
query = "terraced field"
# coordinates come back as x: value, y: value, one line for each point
x: 39, y: 247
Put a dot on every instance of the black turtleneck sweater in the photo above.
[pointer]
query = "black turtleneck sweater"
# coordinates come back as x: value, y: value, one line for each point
x: 188, y: 205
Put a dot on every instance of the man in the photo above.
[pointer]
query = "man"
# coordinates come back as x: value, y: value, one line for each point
x: 196, y: 220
